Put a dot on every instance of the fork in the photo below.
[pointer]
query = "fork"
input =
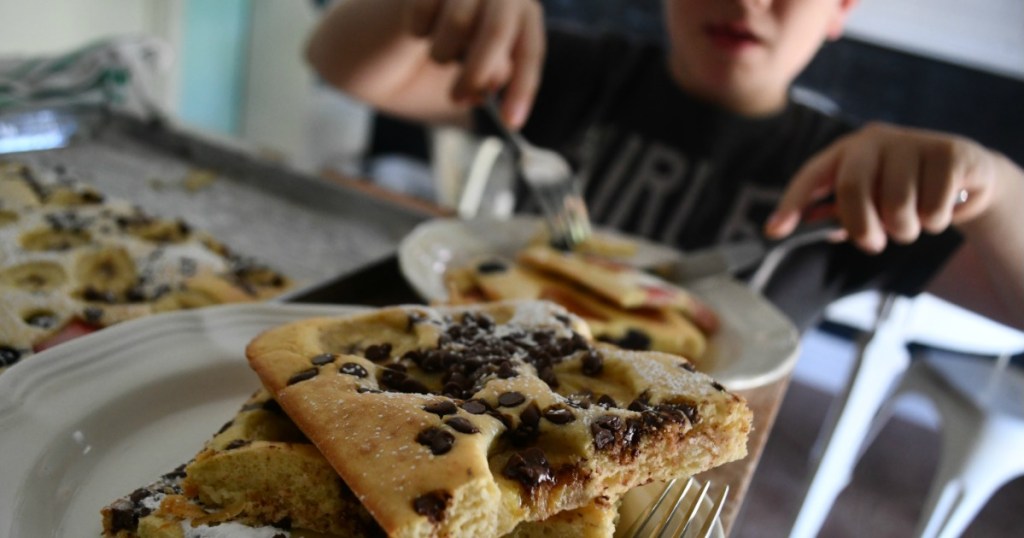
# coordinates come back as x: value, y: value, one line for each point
x: 681, y: 519
x: 552, y: 182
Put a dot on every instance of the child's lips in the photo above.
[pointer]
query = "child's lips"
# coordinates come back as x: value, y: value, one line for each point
x: 731, y: 36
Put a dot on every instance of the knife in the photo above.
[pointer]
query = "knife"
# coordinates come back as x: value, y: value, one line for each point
x: 736, y: 257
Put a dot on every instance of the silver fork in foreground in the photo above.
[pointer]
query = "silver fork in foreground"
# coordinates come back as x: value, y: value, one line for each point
x: 681, y: 519
x: 551, y: 181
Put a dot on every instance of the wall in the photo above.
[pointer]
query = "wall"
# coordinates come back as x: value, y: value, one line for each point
x: 212, y: 63
x: 279, y: 85
x: 981, y: 34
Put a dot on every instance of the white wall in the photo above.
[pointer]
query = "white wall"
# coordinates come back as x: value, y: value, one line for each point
x: 984, y: 34
x: 41, y: 27
x: 279, y: 83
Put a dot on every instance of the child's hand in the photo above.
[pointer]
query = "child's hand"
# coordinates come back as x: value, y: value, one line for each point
x: 499, y: 44
x: 892, y: 182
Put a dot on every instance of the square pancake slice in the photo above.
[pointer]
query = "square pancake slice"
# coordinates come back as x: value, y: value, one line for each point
x: 623, y: 285
x: 467, y: 421
x: 260, y: 476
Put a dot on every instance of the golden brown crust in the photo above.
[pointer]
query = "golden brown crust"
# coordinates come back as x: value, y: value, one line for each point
x: 444, y: 421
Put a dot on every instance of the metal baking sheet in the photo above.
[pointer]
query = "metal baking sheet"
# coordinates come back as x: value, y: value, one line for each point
x: 308, y: 228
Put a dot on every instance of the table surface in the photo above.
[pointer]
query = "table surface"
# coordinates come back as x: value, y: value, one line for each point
x: 381, y: 284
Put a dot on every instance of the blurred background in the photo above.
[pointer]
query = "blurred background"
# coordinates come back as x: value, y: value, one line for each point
x: 234, y: 69
x: 237, y: 70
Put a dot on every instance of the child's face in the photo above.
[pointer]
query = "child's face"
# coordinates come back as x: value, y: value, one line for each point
x: 743, y: 54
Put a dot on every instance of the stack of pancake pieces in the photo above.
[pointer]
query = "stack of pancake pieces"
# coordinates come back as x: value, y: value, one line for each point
x: 624, y: 305
x: 499, y: 419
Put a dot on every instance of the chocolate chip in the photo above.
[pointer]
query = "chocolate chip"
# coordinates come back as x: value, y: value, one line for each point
x: 226, y: 425
x: 718, y: 386
x: 558, y: 414
x: 602, y: 437
x: 506, y: 371
x: 43, y: 320
x: 530, y: 467
x: 546, y: 373
x: 322, y: 359
x: 511, y: 399
x: 603, y: 429
x: 94, y: 295
x: 9, y: 356
x: 138, y: 495
x: 123, y: 517
x: 439, y: 441
x: 593, y: 363
x: 441, y: 408
x: 92, y: 314
x: 462, y: 425
x: 392, y: 379
x: 237, y: 443
x: 413, y: 386
x: 609, y: 422
x: 432, y: 505
x: 504, y: 419
x: 378, y: 352
x: 491, y: 266
x: 688, y: 366
x: 687, y: 410
x: 475, y: 407
x: 607, y: 401
x: 528, y: 430
x: 353, y: 368
x: 634, y: 339
x: 303, y: 375
x: 531, y: 415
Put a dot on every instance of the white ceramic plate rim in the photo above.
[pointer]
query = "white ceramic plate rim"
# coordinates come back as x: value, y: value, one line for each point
x: 757, y: 344
x: 76, y: 418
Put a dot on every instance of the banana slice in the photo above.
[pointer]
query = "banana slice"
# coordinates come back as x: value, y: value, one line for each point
x: 37, y: 276
x: 50, y: 239
x: 67, y: 197
x: 109, y: 270
x: 7, y: 217
x: 184, y: 299
x: 159, y: 231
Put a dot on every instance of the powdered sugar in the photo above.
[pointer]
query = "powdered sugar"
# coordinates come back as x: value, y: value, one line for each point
x: 231, y: 530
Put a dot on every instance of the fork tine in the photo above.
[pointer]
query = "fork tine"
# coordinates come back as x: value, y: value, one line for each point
x: 657, y: 505
x: 691, y: 512
x: 716, y: 510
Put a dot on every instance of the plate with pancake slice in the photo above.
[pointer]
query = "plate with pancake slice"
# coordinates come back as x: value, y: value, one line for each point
x: 727, y: 330
x: 98, y: 419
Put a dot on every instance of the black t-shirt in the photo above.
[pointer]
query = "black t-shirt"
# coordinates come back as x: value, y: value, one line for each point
x: 662, y: 164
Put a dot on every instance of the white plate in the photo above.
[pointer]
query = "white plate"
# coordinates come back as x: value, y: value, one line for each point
x: 90, y: 420
x: 756, y: 345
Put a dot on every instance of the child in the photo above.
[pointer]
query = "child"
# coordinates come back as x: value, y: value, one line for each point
x: 701, y: 143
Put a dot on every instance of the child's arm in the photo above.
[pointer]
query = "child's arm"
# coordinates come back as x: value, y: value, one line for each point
x: 893, y: 183
x: 432, y: 60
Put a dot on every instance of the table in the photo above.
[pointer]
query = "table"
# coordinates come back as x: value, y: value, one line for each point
x: 764, y: 401
x: 381, y: 283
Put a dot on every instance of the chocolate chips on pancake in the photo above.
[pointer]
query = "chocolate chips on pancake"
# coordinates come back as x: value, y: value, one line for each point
x: 474, y: 405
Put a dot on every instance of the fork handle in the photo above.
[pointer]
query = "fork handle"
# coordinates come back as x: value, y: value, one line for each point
x: 513, y: 138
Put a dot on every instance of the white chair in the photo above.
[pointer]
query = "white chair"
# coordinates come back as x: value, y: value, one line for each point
x: 888, y: 324
x: 981, y: 405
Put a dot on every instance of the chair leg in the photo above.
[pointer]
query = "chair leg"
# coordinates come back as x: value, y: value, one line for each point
x: 881, y: 362
x: 979, y: 456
